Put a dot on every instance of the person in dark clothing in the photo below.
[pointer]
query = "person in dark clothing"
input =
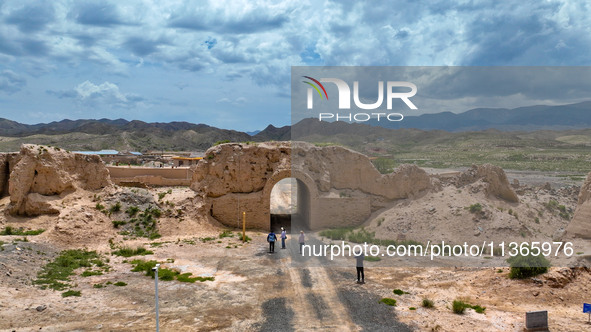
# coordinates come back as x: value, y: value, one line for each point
x: 360, y: 274
x: 271, y: 238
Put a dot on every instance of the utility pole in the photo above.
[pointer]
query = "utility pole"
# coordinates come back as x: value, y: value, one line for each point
x: 155, y: 269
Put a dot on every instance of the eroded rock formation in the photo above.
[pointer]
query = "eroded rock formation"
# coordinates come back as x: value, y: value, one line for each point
x: 39, y: 175
x: 497, y: 184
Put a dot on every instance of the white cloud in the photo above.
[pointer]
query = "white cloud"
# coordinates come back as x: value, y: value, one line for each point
x: 11, y: 82
x: 104, y: 94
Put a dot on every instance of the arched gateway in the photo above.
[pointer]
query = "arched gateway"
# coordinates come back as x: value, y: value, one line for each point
x: 336, y: 186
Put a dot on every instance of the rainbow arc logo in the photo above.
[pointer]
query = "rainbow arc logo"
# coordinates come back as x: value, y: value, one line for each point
x: 316, y: 87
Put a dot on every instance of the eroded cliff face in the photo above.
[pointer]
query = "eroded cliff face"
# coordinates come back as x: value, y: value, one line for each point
x: 39, y: 175
x: 580, y: 225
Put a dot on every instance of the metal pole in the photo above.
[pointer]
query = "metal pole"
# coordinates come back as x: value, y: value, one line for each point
x: 243, y: 226
x: 157, y: 314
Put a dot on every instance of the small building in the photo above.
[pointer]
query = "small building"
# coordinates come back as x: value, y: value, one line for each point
x: 192, y: 159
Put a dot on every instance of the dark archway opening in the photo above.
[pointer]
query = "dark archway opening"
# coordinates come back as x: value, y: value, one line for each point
x: 290, y: 206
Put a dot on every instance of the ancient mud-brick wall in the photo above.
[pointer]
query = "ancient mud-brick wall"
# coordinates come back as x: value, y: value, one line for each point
x: 239, y: 177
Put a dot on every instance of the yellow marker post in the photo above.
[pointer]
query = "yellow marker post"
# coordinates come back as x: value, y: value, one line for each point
x: 243, y: 226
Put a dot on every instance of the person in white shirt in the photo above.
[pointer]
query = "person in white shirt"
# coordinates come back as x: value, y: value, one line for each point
x: 301, y: 240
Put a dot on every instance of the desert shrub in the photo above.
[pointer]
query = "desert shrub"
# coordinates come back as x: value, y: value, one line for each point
x: 12, y: 231
x: 412, y: 308
x: 71, y: 293
x: 399, y: 292
x: 388, y: 301
x: 117, y: 223
x: 523, y: 267
x: 428, y: 303
x: 226, y: 233
x: 132, y: 210
x: 129, y: 252
x: 99, y: 207
x: 459, y: 307
x: 89, y: 273
x: 154, y: 236
x: 475, y: 208
x: 478, y: 309
x: 120, y: 284
x: 186, y: 277
x: 221, y: 142
x: 380, y: 221
x: 336, y: 233
x: 115, y: 208
x: 97, y: 286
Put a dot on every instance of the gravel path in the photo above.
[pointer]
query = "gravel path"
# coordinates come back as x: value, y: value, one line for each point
x: 310, y: 296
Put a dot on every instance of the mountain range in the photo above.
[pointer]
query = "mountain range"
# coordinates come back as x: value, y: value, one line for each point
x: 137, y: 135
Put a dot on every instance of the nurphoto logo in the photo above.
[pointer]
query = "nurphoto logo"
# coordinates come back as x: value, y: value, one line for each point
x: 344, y: 99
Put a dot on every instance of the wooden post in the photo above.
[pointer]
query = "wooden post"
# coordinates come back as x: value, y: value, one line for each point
x: 243, y: 226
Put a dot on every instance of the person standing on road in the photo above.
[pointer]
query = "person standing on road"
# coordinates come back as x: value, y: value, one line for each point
x: 271, y: 238
x: 301, y: 240
x: 359, y: 258
x: 283, y: 237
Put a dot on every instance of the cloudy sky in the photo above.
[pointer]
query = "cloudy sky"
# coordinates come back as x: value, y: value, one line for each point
x: 228, y: 63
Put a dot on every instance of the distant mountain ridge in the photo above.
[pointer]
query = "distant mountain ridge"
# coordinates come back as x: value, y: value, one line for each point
x: 137, y: 135
x: 529, y: 118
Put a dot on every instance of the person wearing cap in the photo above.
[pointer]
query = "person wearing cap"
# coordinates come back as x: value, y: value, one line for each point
x: 283, y: 237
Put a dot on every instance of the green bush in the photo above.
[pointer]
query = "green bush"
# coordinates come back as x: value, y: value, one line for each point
x: 89, y: 273
x: 117, y: 223
x: 120, y: 284
x: 388, y: 301
x: 475, y: 208
x: 11, y: 231
x: 132, y: 210
x: 115, y: 208
x: 459, y: 307
x: 226, y: 233
x: 147, y: 266
x: 99, y: 206
x: 523, y: 267
x: 71, y: 293
x: 428, y: 303
x: 129, y: 252
x: 399, y: 292
x: 336, y: 233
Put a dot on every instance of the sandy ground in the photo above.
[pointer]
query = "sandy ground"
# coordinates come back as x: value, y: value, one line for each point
x: 257, y: 291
